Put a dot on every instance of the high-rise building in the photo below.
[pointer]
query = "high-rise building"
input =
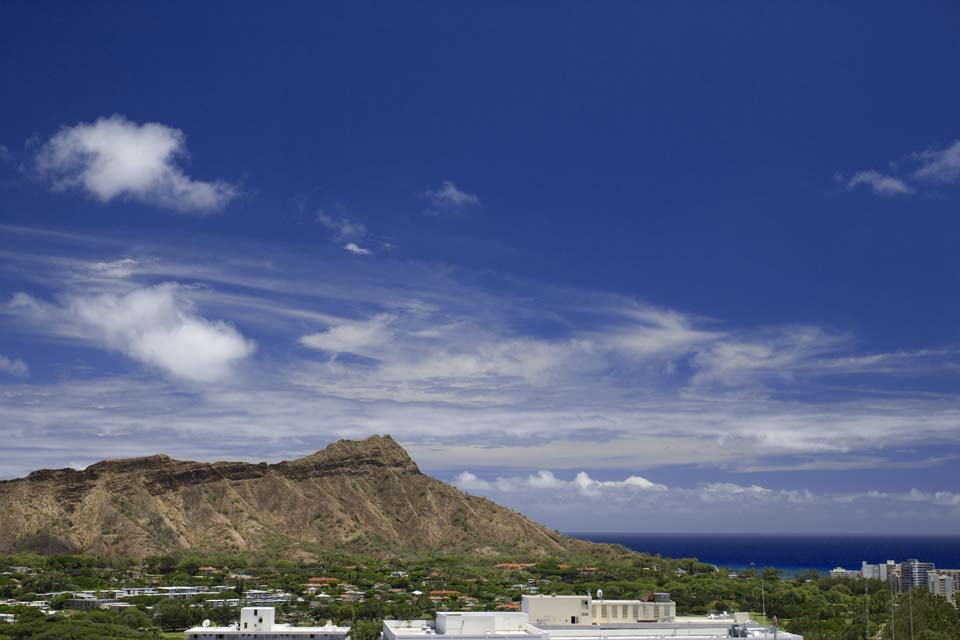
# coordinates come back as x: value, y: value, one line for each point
x: 913, y: 574
x: 941, y: 585
x: 874, y: 571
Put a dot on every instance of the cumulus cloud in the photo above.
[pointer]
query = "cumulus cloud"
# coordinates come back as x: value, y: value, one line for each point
x: 547, y: 481
x: 470, y: 482
x: 880, y: 184
x: 156, y: 326
x: 448, y: 198
x: 356, y: 249
x: 114, y: 158
x: 14, y: 366
x: 936, y: 498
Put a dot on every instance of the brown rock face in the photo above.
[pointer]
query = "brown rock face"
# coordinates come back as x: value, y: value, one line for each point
x: 366, y: 495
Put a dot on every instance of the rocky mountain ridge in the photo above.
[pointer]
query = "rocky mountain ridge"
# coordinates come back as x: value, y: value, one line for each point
x: 364, y: 496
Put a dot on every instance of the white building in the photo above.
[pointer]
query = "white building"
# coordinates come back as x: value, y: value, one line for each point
x: 497, y: 625
x: 586, y: 610
x: 942, y: 585
x: 552, y: 609
x: 840, y: 572
x: 259, y: 623
x: 876, y: 571
x: 464, y: 625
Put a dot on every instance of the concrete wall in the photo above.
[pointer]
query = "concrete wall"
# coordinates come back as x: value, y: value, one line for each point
x: 557, y: 610
x: 479, y: 622
x: 629, y: 611
x: 257, y: 618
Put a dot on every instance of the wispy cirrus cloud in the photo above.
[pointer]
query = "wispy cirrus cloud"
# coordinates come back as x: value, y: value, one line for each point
x: 881, y: 184
x: 466, y: 372
x: 907, y: 176
x: 14, y: 366
x: 940, y: 166
x: 448, y: 198
x: 114, y: 158
x: 345, y: 229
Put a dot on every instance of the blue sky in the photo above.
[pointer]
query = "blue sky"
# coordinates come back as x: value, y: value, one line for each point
x: 642, y: 265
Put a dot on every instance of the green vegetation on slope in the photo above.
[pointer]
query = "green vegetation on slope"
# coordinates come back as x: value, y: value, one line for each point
x: 818, y: 607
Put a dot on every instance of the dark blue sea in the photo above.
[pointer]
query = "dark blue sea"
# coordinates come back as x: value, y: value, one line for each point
x: 790, y: 553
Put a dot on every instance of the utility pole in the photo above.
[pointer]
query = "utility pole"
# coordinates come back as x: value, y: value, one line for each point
x: 910, y: 594
x: 893, y: 621
x: 763, y: 599
x: 866, y: 604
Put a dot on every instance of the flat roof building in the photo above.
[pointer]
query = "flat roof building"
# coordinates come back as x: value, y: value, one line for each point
x: 259, y: 623
x: 500, y: 625
x: 465, y: 625
x: 586, y: 610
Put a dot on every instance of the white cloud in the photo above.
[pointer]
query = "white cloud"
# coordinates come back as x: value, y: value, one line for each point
x: 114, y: 158
x: 880, y: 184
x: 14, y: 366
x: 504, y: 377
x: 546, y: 481
x: 470, y: 482
x: 936, y: 166
x: 356, y: 249
x: 121, y: 268
x: 352, y: 337
x: 448, y: 198
x: 343, y: 228
x: 651, y: 332
x: 939, y: 166
x: 780, y: 354
x: 156, y: 326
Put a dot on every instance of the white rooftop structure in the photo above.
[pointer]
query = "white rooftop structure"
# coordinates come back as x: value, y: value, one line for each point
x: 465, y: 625
x: 259, y: 623
x: 499, y: 625
x: 587, y: 610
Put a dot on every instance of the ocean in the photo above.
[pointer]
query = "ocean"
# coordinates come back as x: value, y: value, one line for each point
x: 790, y: 553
